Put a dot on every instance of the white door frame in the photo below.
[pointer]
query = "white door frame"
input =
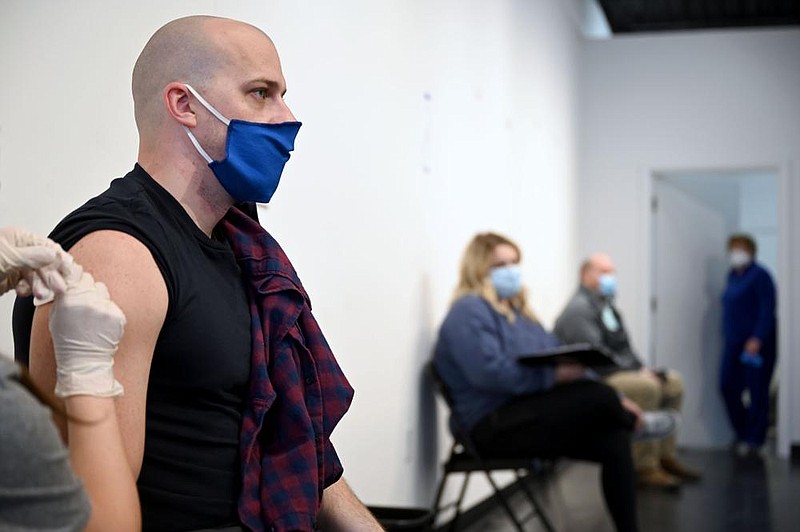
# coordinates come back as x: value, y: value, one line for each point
x: 788, y: 285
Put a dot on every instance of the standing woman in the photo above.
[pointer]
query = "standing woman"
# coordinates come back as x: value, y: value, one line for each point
x: 750, y: 331
x: 516, y: 411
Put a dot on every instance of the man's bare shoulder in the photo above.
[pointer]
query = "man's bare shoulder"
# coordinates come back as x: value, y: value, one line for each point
x: 108, y: 244
x: 126, y: 266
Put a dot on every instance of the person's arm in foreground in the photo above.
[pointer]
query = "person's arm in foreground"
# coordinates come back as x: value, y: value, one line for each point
x: 342, y: 511
x: 30, y: 264
x: 129, y: 271
x: 86, y: 327
x: 38, y: 488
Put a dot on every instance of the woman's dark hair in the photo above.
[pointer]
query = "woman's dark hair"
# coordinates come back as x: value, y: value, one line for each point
x: 743, y: 239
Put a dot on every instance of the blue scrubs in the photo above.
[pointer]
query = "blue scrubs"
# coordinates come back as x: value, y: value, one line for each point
x: 748, y: 310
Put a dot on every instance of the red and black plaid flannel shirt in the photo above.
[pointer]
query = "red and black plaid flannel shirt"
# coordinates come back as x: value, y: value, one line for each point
x: 298, y: 392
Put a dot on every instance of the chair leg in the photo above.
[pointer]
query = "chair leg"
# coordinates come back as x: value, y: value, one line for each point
x: 438, y: 500
x: 454, y: 522
x: 500, y: 497
x: 546, y: 523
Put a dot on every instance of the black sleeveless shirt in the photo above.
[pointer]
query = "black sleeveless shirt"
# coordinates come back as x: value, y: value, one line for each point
x: 190, y: 476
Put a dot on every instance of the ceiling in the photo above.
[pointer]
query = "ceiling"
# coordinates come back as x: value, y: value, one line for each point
x: 633, y: 16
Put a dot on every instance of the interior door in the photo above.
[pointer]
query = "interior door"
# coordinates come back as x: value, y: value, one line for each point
x: 689, y: 269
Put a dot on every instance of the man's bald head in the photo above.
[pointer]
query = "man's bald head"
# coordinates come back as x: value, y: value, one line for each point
x: 593, y: 267
x: 191, y: 50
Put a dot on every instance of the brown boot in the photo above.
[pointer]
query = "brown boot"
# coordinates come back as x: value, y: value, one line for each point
x: 655, y: 477
x: 671, y: 465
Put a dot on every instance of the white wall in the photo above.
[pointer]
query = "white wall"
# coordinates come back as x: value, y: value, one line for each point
x: 720, y: 191
x: 759, y: 217
x: 424, y: 122
x: 747, y: 201
x: 693, y: 101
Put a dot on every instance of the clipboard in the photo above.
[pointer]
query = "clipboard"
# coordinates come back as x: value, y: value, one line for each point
x: 582, y: 353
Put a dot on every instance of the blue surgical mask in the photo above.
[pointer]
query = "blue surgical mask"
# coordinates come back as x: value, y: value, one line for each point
x: 608, y: 285
x: 255, y: 154
x: 507, y: 280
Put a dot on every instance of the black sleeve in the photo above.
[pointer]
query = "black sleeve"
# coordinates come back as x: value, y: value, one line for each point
x: 94, y: 216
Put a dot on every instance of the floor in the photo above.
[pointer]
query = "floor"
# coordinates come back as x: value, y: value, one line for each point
x: 735, y: 495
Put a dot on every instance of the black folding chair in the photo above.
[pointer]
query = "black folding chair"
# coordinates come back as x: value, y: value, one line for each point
x: 465, y: 458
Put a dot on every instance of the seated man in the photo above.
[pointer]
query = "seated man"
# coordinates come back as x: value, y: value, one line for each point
x: 591, y: 317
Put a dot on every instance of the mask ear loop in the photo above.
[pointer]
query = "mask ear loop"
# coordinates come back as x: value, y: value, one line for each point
x: 208, y: 106
x: 214, y: 112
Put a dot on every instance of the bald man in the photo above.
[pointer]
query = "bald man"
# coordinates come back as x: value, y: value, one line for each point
x: 231, y: 391
x: 591, y: 317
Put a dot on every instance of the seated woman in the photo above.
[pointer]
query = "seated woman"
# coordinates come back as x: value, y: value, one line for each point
x: 517, y: 411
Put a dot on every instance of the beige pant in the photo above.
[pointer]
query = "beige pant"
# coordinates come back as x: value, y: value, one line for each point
x: 650, y: 394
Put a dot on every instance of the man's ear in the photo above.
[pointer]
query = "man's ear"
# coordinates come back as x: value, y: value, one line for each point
x: 177, y: 98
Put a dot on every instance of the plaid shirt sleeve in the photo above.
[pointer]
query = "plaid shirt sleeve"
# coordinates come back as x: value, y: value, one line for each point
x: 298, y: 392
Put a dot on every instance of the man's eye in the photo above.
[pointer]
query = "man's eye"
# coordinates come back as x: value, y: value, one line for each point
x: 261, y: 93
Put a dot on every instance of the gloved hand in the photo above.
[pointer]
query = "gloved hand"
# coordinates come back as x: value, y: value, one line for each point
x: 751, y: 359
x: 31, y: 264
x: 86, y: 327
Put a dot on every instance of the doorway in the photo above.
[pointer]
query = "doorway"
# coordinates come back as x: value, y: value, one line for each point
x: 693, y: 213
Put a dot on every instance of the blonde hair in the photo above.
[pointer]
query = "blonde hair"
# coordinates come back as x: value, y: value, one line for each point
x: 474, y: 276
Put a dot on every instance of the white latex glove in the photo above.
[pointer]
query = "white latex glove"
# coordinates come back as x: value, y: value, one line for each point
x: 31, y: 264
x: 86, y: 327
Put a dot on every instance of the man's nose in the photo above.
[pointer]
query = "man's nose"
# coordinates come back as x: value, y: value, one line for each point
x: 285, y: 114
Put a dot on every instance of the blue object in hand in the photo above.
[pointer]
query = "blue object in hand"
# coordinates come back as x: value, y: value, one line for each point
x: 754, y: 361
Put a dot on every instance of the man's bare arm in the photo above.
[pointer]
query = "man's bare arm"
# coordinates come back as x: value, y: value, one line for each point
x: 342, y: 511
x: 135, y: 283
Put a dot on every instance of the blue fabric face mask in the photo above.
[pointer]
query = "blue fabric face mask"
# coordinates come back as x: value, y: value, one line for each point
x: 507, y: 280
x: 608, y: 285
x: 255, y: 154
